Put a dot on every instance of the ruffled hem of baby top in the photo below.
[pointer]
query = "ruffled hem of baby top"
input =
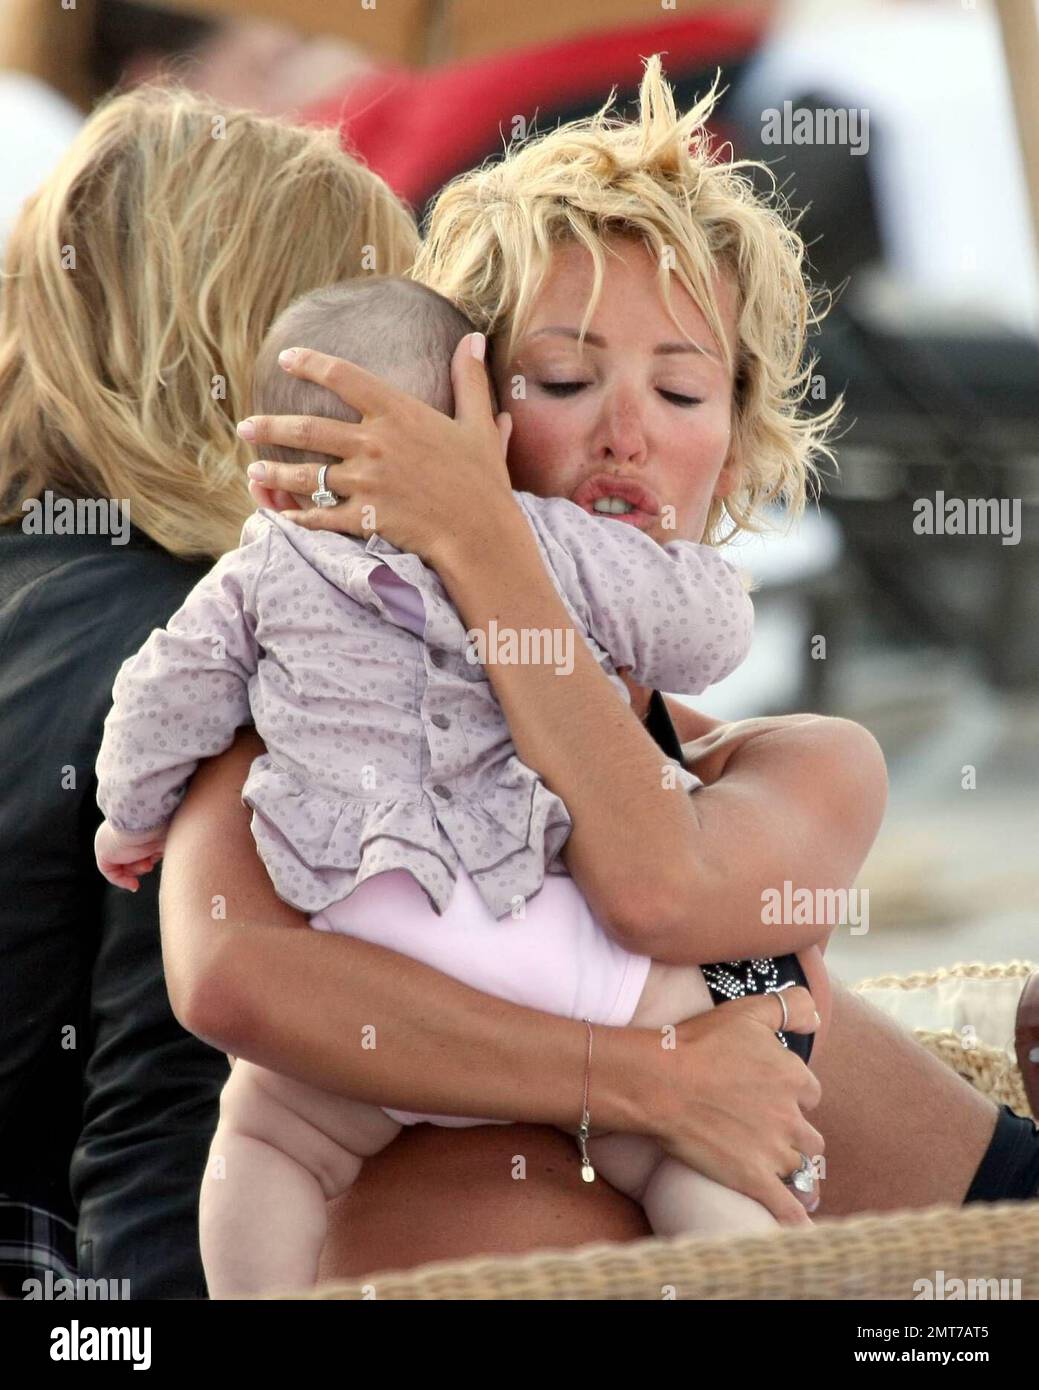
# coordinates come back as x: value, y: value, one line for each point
x: 473, y: 801
x: 319, y: 847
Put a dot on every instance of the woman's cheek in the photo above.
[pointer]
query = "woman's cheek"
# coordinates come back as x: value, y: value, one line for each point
x: 540, y: 459
x: 699, y: 457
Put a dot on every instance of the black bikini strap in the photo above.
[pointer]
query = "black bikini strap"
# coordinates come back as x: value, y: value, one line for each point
x: 660, y: 727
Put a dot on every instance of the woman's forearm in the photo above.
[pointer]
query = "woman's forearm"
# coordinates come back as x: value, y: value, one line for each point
x: 349, y: 1016
x: 574, y: 730
x: 678, y: 877
x: 364, y: 1022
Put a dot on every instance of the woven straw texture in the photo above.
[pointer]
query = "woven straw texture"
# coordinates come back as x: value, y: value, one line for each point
x: 861, y: 1257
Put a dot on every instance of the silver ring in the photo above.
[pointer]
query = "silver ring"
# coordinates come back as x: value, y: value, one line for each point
x: 324, y: 496
x: 803, y: 1178
x: 782, y: 1003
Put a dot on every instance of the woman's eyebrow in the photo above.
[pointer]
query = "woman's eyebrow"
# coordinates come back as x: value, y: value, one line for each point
x: 597, y: 340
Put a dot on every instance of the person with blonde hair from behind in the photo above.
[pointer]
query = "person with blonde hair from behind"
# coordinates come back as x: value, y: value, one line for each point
x: 138, y: 284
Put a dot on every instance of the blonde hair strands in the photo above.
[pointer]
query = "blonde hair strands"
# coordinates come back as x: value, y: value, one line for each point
x: 492, y: 232
x: 193, y: 226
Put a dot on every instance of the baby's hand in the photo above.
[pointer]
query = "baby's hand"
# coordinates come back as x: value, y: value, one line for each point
x: 121, y: 856
x: 277, y: 499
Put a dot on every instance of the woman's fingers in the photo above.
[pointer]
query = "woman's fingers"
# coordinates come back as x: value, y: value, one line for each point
x: 347, y: 518
x: 469, y: 378
x: 787, y: 1203
x: 785, y: 1207
x: 801, y: 1016
x: 474, y: 403
x: 298, y: 479
x: 808, y: 1139
x: 310, y: 434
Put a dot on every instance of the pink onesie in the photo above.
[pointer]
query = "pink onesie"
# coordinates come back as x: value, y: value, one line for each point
x: 556, y: 957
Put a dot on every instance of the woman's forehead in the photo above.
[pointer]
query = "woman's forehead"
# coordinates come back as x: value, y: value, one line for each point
x: 631, y: 295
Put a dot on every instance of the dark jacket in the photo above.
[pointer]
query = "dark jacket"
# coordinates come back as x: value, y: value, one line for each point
x: 107, y: 1105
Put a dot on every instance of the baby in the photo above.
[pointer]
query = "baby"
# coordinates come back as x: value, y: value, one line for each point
x: 390, y: 803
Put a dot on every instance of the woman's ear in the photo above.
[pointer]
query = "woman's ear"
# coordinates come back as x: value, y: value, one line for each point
x: 732, y: 469
x: 728, y: 482
x: 729, y: 478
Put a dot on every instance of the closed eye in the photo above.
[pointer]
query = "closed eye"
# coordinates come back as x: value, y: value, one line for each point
x: 561, y: 388
x: 570, y: 388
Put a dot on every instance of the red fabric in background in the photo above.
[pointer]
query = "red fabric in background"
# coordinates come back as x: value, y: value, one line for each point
x: 419, y: 127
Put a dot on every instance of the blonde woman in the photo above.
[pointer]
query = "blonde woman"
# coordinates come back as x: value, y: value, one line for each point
x: 138, y: 284
x: 581, y: 230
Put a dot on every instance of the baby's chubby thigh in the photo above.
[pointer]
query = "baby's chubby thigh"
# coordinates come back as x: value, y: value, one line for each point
x: 327, y: 1134
x: 671, y: 993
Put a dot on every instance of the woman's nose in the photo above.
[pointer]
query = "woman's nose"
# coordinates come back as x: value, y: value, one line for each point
x: 622, y: 429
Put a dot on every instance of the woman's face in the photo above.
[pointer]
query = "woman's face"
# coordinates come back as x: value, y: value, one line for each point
x: 636, y: 426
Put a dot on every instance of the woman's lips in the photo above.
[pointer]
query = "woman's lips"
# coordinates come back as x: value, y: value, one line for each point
x: 646, y: 507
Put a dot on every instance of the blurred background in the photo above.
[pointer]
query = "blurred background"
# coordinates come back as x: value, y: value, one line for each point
x: 906, y: 132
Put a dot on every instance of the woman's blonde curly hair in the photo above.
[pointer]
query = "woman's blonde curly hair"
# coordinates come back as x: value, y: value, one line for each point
x: 138, y: 284
x: 492, y: 231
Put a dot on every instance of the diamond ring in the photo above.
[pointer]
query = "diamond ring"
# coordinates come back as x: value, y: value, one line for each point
x: 324, y: 496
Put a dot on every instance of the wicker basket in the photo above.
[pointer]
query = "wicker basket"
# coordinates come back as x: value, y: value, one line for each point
x: 862, y: 1257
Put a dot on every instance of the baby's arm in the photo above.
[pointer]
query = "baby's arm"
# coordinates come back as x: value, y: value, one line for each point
x: 179, y: 699
x: 677, y: 615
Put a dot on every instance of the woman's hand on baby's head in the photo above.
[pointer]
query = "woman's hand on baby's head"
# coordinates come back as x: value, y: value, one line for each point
x: 422, y: 479
x: 121, y: 857
x: 279, y: 500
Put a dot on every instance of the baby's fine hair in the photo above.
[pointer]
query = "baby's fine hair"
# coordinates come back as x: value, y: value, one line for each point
x: 392, y: 327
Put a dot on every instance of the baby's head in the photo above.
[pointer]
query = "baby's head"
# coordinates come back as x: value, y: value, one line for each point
x: 391, y: 326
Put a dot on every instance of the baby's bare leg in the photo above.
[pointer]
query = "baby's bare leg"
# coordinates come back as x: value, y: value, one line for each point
x: 675, y: 1198
x: 282, y: 1150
